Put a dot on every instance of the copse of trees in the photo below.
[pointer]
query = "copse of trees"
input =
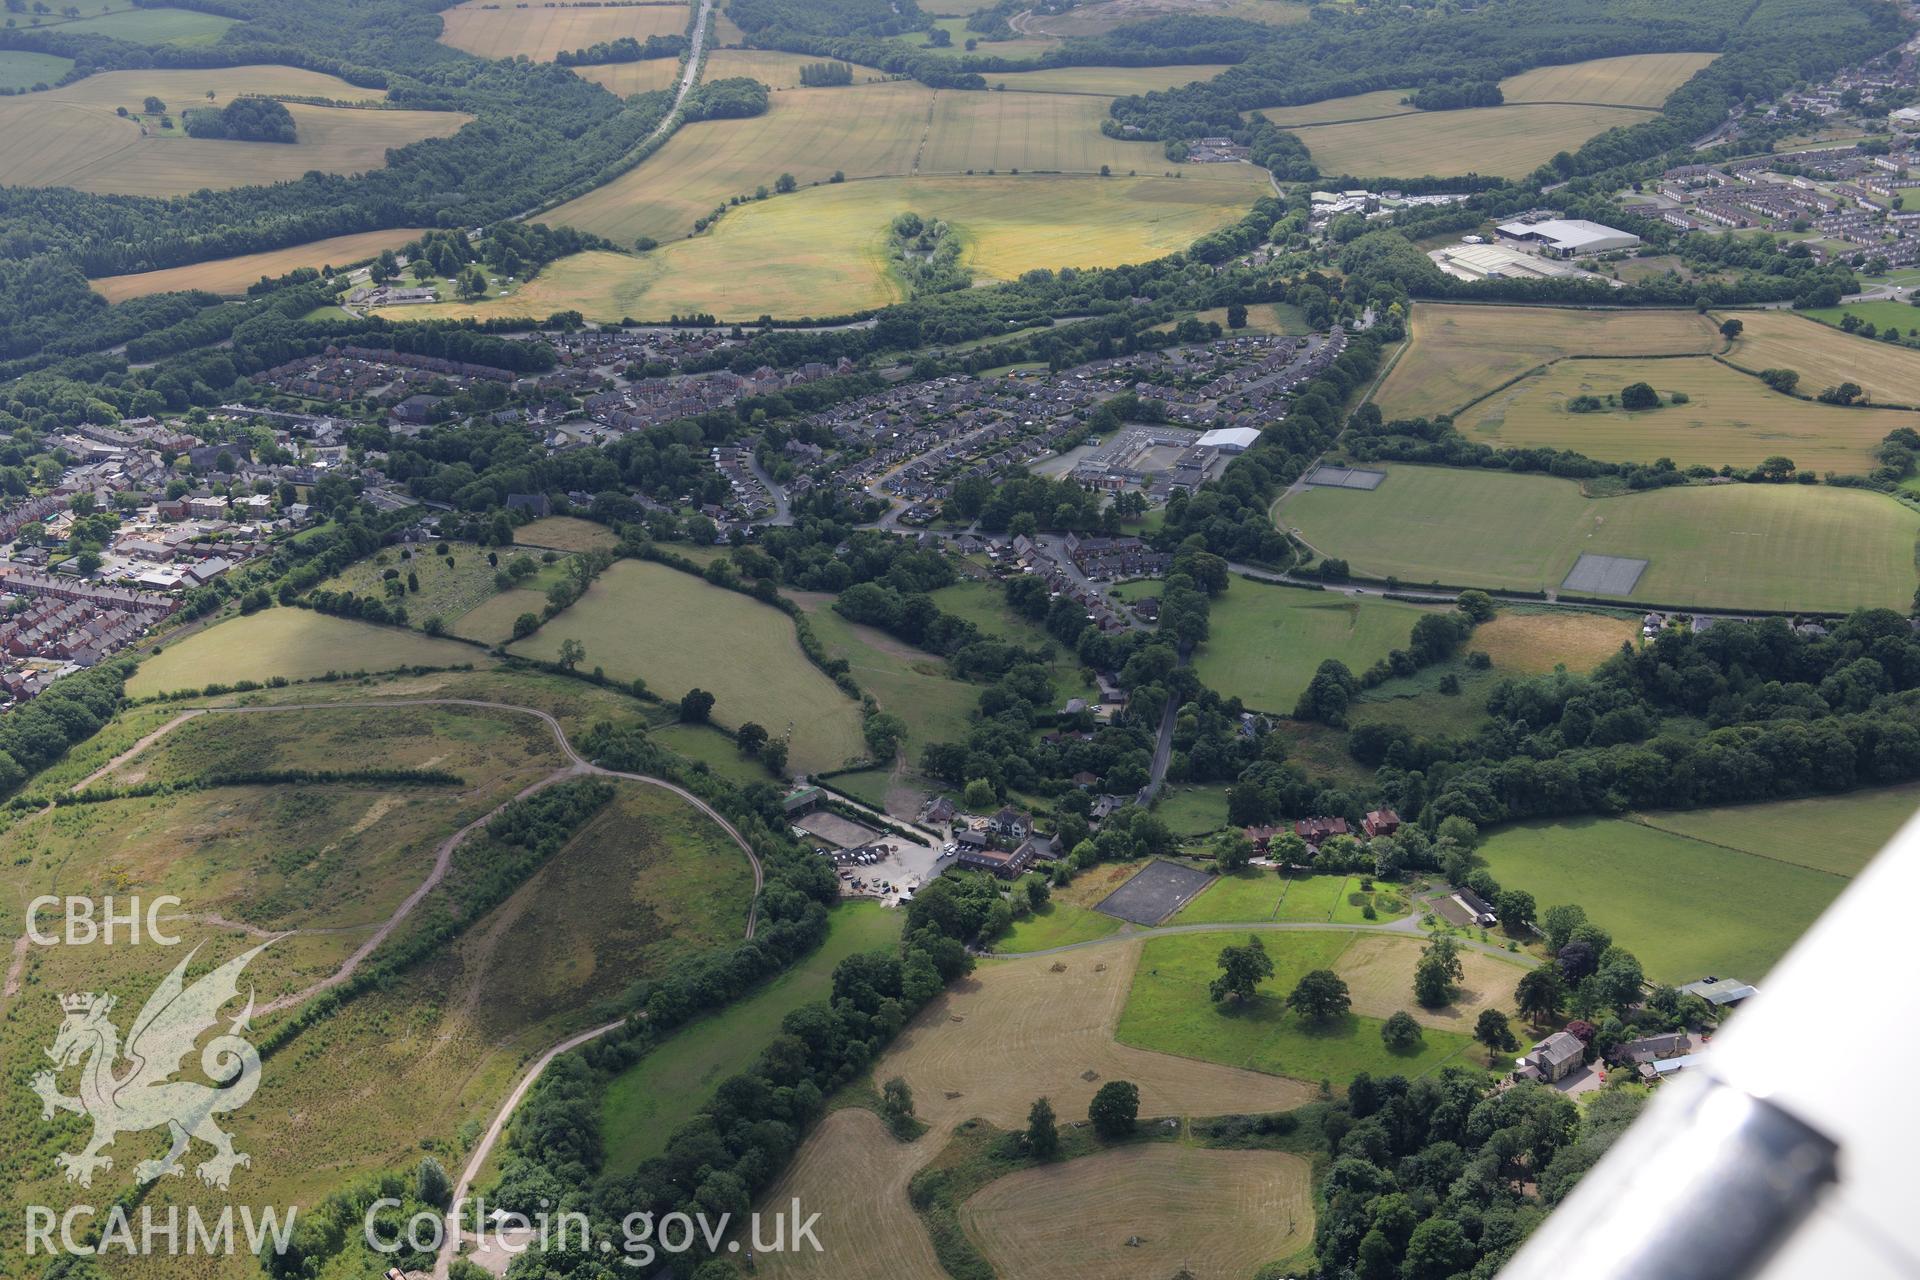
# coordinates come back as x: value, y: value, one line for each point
x: 625, y: 49
x: 1457, y: 95
x: 242, y: 120
x: 821, y: 75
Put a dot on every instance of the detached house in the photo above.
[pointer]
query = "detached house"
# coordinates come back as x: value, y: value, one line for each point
x: 1552, y: 1059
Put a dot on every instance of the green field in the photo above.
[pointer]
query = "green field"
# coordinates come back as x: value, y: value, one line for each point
x: 1730, y: 418
x: 1057, y: 924
x: 1506, y: 141
x: 1898, y: 315
x: 295, y: 643
x: 712, y: 748
x: 20, y: 69
x: 1264, y: 642
x: 1168, y: 1010
x: 1256, y: 894
x: 153, y: 26
x: 1686, y: 908
x: 911, y: 683
x: 1838, y: 834
x: 644, y: 1104
x: 1192, y: 810
x: 823, y: 250
x: 1728, y: 546
x: 679, y: 632
x: 448, y: 592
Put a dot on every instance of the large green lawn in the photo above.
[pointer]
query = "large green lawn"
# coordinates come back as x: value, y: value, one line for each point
x: 1168, y: 1010
x: 1686, y: 908
x: 1264, y: 642
x: 648, y: 1101
x: 1057, y: 924
x: 1725, y: 546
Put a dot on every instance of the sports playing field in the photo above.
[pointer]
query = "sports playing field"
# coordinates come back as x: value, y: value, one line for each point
x: 1265, y: 642
x: 1725, y: 546
x: 72, y: 137
x: 822, y: 251
x: 233, y: 275
x: 679, y: 632
x: 1729, y: 418
x: 1460, y: 353
x: 496, y: 29
x: 1684, y: 906
x: 1637, y: 80
x: 1825, y: 356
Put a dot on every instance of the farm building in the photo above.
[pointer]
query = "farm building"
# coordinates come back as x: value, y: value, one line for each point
x: 1721, y: 993
x: 1570, y: 237
x: 1477, y: 908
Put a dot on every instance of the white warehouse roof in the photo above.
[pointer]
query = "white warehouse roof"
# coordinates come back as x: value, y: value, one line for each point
x: 1235, y: 438
x: 1571, y: 235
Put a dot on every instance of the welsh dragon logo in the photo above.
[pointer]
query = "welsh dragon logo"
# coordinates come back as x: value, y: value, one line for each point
x: 140, y: 1095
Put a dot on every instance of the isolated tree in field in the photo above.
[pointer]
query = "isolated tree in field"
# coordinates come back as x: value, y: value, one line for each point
x: 784, y: 183
x: 1439, y: 969
x: 1639, y: 395
x: 572, y: 653
x: 1782, y: 380
x: 1043, y: 1136
x: 695, y: 706
x: 153, y: 106
x: 896, y: 1101
x: 430, y: 1183
x: 1242, y: 969
x: 1400, y: 1033
x: 1236, y: 315
x: 1540, y: 994
x: 525, y: 625
x: 1492, y: 1031
x: 1320, y: 996
x: 750, y: 737
x: 1115, y: 1109
x: 1730, y: 328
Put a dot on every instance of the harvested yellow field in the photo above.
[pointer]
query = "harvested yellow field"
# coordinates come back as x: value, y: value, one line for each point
x: 1535, y: 643
x: 1460, y: 353
x: 1048, y: 131
x: 233, y: 275
x: 1637, y: 80
x: 565, y: 533
x: 1358, y: 106
x: 1022, y: 1028
x: 862, y: 131
x: 629, y: 78
x: 1730, y: 418
x: 1156, y: 1210
x: 1379, y: 974
x: 823, y: 251
x: 1509, y: 141
x: 71, y: 137
x: 1106, y: 81
x: 1825, y: 356
x: 854, y: 1174
x: 504, y: 29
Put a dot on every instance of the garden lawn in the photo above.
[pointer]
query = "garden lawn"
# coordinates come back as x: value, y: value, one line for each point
x: 680, y: 632
x: 1191, y: 810
x: 644, y: 1104
x: 1684, y: 907
x: 1168, y: 1010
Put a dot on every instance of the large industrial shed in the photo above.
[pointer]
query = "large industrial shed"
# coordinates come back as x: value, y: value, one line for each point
x: 1570, y: 237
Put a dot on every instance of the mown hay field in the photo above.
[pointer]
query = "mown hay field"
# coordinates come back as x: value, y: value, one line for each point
x: 1458, y: 354
x: 232, y: 276
x: 824, y: 251
x: 1825, y: 356
x: 510, y: 29
x: 1685, y: 907
x: 1151, y: 1210
x: 1730, y: 418
x: 1265, y: 642
x: 295, y: 643
x: 679, y: 632
x: 854, y: 1174
x: 565, y: 533
x: 1105, y: 81
x: 1534, y: 643
x: 1728, y: 546
x: 1168, y: 1009
x: 71, y: 137
x: 1636, y: 80
x: 1048, y: 131
x: 20, y: 69
x: 1507, y: 141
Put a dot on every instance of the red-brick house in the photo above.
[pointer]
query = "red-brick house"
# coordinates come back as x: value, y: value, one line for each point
x: 1381, y: 822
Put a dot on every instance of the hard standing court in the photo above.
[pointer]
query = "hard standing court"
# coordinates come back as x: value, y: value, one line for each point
x: 1346, y: 477
x: 1159, y: 890
x: 1603, y: 575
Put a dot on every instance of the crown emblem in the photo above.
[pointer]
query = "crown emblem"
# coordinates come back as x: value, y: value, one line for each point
x: 78, y: 1002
